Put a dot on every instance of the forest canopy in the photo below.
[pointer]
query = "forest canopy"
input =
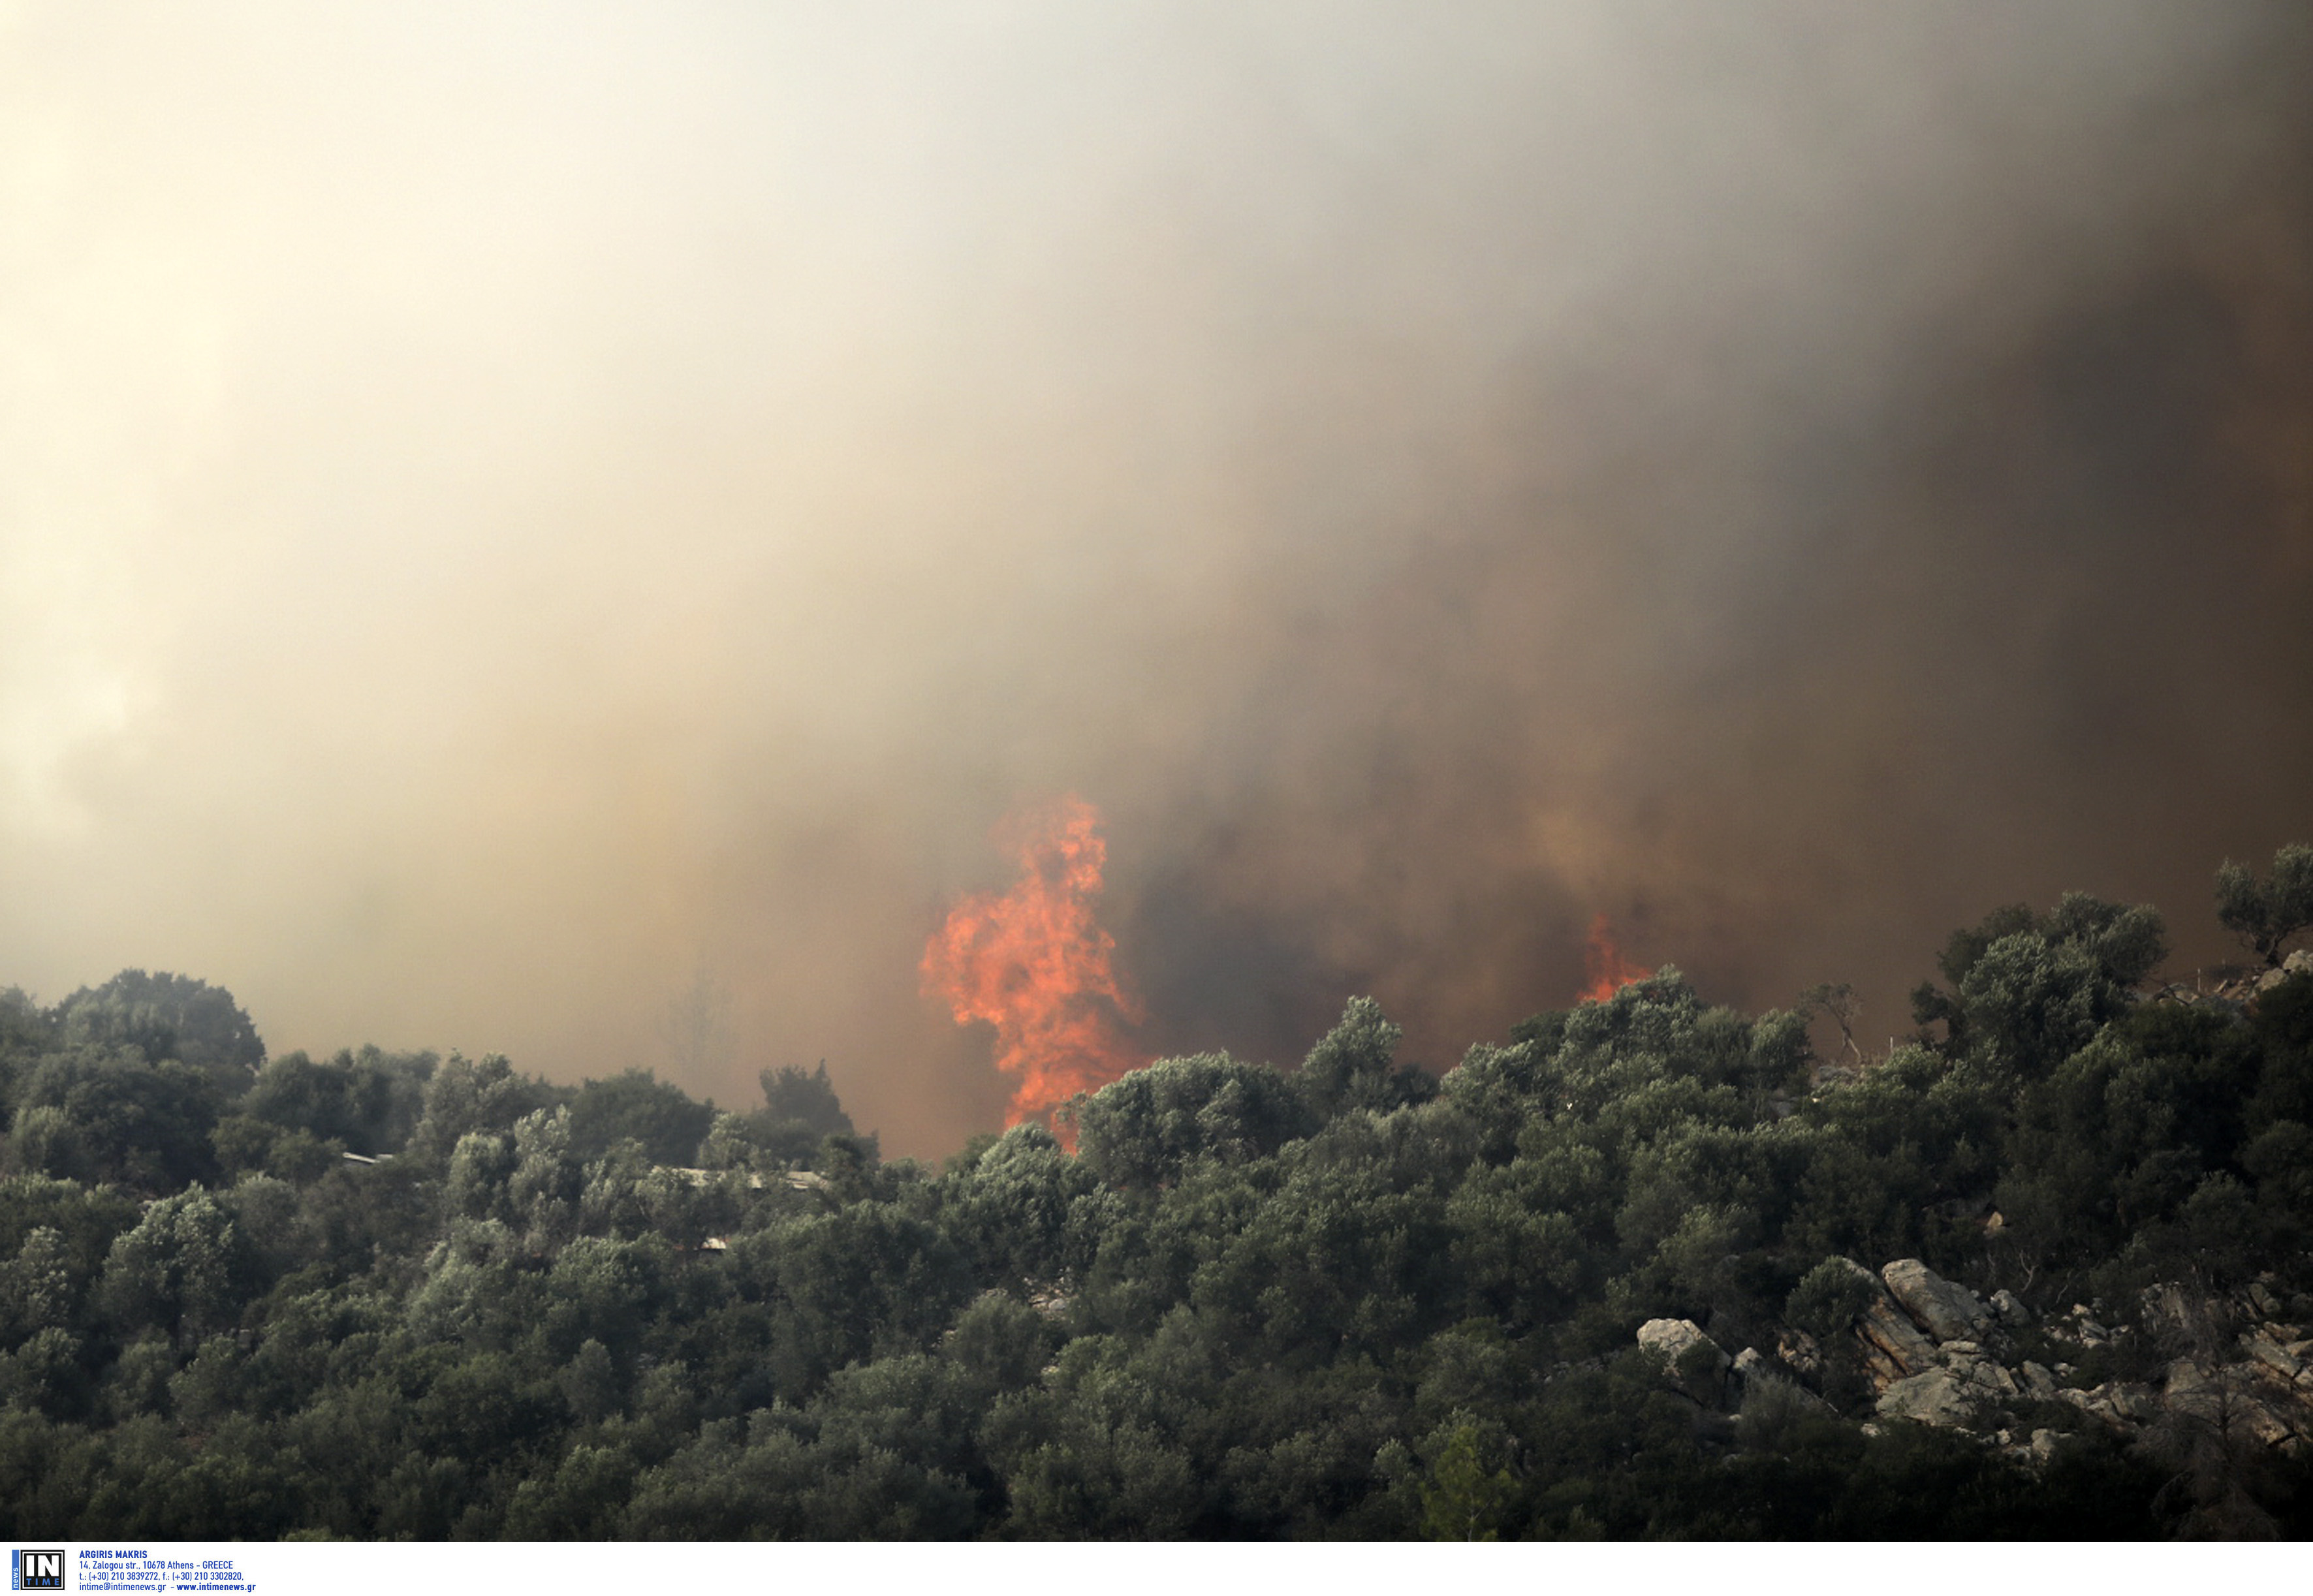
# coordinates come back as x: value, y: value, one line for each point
x: 392, y: 1295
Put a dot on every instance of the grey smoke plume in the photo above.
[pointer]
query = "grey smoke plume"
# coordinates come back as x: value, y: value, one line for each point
x: 506, y: 512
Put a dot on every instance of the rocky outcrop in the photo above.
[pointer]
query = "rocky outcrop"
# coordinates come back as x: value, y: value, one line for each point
x: 1939, y: 1355
x: 1963, y: 1381
x: 1944, y: 1310
x: 2168, y: 1309
x: 2240, y: 1400
x: 2252, y: 1384
x: 1893, y: 1346
x: 2236, y: 991
x: 2285, y: 1359
x: 1798, y: 1352
x: 1696, y: 1364
x: 1674, y: 1338
x: 1971, y: 1364
x: 1758, y: 1381
x: 2119, y: 1403
x: 2296, y: 964
x: 1924, y: 1324
x: 1937, y: 1396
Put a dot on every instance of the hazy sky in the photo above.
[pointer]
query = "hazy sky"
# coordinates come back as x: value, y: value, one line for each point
x: 506, y: 508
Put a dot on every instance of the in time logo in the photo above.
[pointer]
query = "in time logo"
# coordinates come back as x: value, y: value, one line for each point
x: 36, y: 1571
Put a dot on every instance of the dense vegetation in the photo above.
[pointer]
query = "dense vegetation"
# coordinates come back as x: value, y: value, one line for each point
x: 383, y: 1295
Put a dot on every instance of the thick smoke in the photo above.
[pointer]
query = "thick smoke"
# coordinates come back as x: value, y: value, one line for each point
x: 509, y: 511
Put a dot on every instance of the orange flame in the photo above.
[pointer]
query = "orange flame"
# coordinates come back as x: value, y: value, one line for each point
x: 1605, y: 970
x: 1035, y: 964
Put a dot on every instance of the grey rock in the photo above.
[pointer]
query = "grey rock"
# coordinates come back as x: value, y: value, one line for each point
x: 1893, y: 1348
x: 2274, y: 1427
x: 2118, y: 1406
x: 1673, y: 1337
x: 1672, y: 1340
x: 2297, y: 963
x: 2166, y: 1307
x: 1947, y: 1311
x: 1975, y: 1369
x: 1938, y: 1398
x: 2245, y: 1399
x: 1766, y: 1389
x: 2269, y: 1352
x: 2011, y: 1308
x: 2038, y: 1382
x: 1799, y: 1350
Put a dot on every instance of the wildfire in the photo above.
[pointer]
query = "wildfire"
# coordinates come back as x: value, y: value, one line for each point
x: 1605, y: 970
x: 1035, y: 964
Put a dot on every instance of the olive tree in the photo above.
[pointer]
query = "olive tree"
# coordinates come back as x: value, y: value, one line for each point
x: 2267, y: 913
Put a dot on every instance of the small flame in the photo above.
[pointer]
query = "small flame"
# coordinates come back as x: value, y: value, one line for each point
x: 1035, y: 964
x: 1605, y: 970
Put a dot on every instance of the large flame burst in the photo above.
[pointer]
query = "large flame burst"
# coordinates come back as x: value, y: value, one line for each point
x: 1605, y: 970
x: 1035, y: 964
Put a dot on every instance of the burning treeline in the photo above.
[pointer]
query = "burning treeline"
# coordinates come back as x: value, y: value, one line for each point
x: 1605, y: 970
x: 1034, y: 964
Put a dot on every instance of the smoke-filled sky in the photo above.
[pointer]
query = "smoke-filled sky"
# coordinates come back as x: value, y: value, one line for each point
x: 508, y: 510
